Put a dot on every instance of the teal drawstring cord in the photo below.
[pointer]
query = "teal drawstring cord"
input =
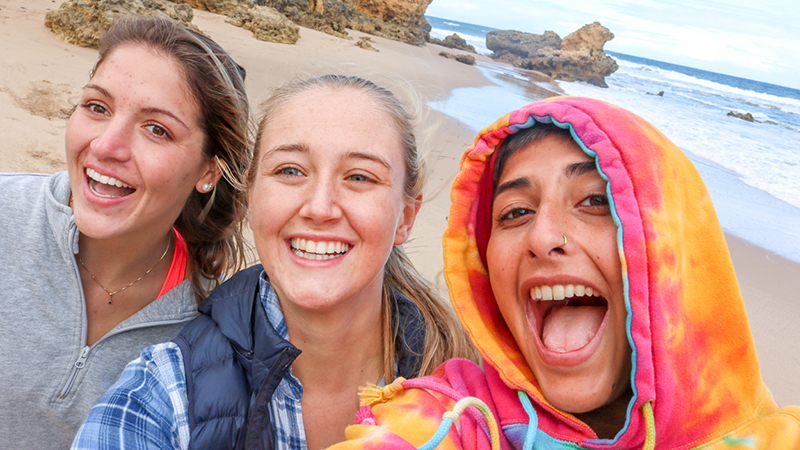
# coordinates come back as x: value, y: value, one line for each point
x: 533, y: 420
x: 450, y: 417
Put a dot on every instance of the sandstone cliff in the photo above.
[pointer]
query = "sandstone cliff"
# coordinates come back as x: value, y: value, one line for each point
x: 81, y: 22
x: 578, y: 57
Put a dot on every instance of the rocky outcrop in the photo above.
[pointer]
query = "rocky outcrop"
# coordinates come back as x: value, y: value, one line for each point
x: 746, y: 116
x: 453, y: 41
x: 223, y: 7
x: 365, y: 42
x: 267, y: 24
x: 81, y: 22
x: 466, y: 59
x: 401, y: 20
x: 578, y: 57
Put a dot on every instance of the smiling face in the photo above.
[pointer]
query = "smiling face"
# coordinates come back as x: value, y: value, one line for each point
x: 134, y: 147
x: 564, y: 303
x: 327, y: 202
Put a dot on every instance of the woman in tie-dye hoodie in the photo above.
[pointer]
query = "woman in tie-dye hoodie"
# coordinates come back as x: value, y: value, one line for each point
x: 586, y: 262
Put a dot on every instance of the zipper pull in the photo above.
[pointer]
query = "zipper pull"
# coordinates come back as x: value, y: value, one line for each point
x: 81, y: 362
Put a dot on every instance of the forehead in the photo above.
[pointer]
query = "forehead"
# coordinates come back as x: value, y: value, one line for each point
x: 333, y: 119
x: 138, y: 67
x: 548, y: 156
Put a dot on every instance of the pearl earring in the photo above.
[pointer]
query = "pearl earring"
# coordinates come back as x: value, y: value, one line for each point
x: 207, y: 187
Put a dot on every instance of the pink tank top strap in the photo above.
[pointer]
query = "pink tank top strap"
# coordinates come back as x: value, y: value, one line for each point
x: 177, y: 269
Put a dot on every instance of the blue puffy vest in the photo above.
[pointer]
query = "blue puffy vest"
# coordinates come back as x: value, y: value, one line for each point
x: 234, y: 361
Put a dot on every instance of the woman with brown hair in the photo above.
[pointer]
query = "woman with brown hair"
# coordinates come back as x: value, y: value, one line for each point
x: 276, y: 358
x: 114, y: 254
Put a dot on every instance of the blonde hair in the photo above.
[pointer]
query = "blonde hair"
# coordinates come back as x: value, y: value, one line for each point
x: 444, y: 337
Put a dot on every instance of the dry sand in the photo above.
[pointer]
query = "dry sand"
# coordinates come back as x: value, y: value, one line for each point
x: 40, y: 75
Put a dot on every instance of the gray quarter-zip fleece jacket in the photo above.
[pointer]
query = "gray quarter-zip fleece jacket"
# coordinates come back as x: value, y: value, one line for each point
x: 49, y: 377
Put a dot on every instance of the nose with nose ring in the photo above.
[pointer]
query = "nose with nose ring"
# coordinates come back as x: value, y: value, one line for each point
x: 564, y: 243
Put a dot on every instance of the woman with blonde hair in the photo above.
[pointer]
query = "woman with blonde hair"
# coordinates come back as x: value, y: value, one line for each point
x: 277, y: 357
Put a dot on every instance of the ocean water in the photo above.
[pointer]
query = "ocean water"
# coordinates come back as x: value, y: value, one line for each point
x: 752, y: 170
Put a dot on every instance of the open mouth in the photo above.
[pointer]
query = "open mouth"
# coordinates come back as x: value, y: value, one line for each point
x: 567, y: 317
x: 319, y: 250
x: 108, y: 187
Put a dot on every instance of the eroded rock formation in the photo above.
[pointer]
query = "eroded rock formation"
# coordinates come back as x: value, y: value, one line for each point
x: 267, y: 24
x: 453, y: 41
x: 578, y: 57
x: 401, y: 20
x: 81, y: 22
x: 466, y: 59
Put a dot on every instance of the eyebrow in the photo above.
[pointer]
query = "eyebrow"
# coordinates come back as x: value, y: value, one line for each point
x: 98, y: 88
x: 517, y: 183
x: 572, y: 170
x: 145, y: 110
x: 580, y: 168
x: 302, y: 148
x: 370, y: 157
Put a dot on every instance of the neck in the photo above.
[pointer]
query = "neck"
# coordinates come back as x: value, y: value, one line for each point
x: 342, y: 351
x: 607, y: 420
x: 338, y: 349
x: 118, y: 261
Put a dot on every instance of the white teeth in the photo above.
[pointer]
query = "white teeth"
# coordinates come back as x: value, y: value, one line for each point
x: 560, y: 292
x: 104, y: 179
x: 322, y: 250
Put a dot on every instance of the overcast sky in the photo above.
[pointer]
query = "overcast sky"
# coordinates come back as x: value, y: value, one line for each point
x: 756, y: 39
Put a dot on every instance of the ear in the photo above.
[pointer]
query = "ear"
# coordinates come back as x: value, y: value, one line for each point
x: 211, y: 174
x: 407, y: 221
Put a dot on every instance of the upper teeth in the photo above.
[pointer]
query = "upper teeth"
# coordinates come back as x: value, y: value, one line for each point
x: 320, y: 250
x: 560, y: 292
x: 91, y: 173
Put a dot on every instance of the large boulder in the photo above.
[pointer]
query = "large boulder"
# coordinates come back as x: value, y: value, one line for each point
x: 218, y: 6
x: 453, y: 41
x: 578, y: 57
x: 409, y: 13
x: 267, y: 24
x: 81, y: 22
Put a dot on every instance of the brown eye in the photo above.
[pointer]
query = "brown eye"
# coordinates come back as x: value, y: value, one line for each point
x: 157, y: 130
x: 514, y: 214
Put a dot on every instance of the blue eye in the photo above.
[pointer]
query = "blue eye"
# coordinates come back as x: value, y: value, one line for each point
x: 290, y: 171
x: 360, y: 178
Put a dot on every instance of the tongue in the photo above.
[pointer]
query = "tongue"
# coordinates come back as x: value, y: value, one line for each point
x: 569, y: 328
x: 106, y: 190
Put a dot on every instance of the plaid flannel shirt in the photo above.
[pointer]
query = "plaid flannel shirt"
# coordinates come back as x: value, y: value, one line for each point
x: 148, y: 406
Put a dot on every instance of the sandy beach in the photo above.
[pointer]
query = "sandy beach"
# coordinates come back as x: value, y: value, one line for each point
x: 40, y: 76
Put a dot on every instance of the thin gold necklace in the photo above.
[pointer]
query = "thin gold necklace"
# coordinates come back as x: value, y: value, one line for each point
x: 111, y: 294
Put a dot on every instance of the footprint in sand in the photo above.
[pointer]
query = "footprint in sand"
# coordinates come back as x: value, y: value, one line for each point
x: 45, y: 99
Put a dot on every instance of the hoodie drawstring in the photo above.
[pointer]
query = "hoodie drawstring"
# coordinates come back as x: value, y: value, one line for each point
x: 449, y: 417
x: 533, y: 420
x: 650, y: 426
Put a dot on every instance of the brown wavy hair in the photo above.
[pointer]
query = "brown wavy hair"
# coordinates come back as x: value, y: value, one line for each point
x: 444, y: 336
x: 211, y: 223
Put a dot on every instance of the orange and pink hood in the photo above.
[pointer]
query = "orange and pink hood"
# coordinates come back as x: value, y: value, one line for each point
x: 693, y: 356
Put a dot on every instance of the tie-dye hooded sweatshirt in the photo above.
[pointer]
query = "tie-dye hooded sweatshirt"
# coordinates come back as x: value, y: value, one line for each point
x: 695, y: 376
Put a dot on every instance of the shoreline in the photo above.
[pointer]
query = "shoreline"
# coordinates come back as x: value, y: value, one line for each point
x: 40, y: 74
